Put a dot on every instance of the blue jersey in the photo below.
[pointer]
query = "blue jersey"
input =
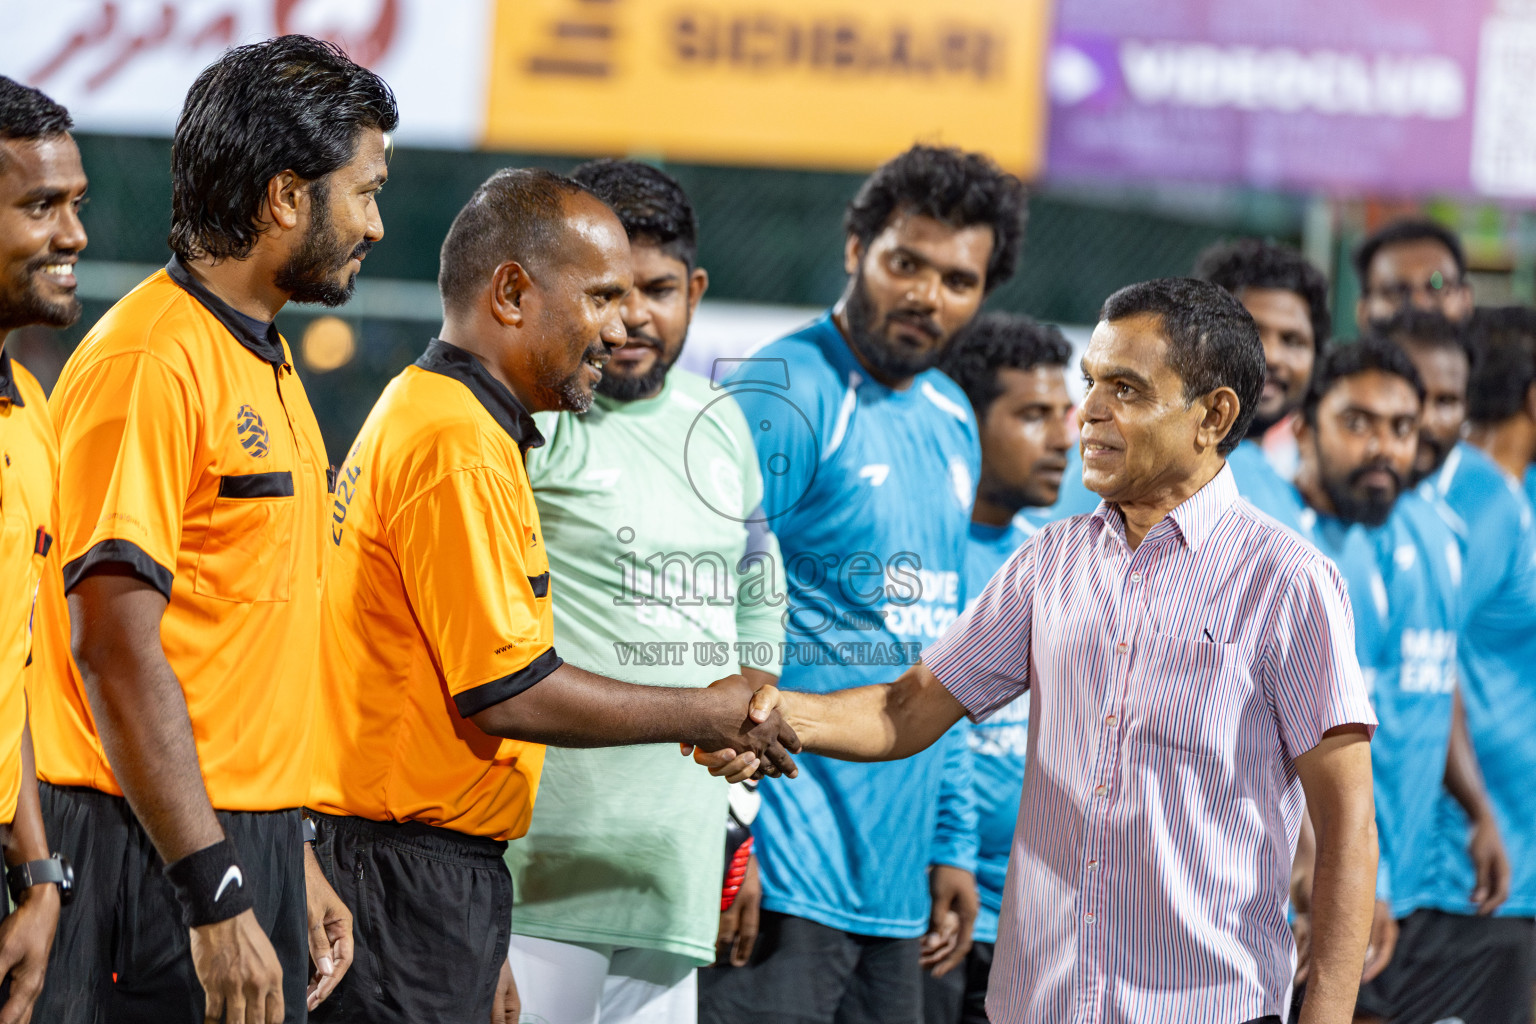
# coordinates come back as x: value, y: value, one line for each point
x: 869, y: 491
x: 1073, y: 499
x: 1497, y: 651
x: 1264, y: 488
x: 1404, y: 587
x: 997, y: 745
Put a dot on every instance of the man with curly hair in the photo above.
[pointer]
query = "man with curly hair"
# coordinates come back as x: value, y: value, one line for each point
x: 869, y: 458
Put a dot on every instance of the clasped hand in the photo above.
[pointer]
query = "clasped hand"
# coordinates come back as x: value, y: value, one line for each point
x: 750, y: 738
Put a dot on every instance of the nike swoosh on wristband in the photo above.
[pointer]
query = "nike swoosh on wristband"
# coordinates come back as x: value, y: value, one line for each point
x: 232, y: 875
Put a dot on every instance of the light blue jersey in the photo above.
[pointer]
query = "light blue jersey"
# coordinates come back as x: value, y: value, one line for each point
x: 1264, y: 488
x: 1072, y: 500
x: 999, y: 744
x: 1404, y: 586
x: 869, y: 490
x: 1493, y: 522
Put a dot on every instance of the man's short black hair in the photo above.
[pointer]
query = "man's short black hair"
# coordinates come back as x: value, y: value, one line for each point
x: 1348, y: 358
x: 957, y: 188
x: 1256, y: 263
x: 1423, y: 328
x: 650, y: 203
x: 1212, y: 341
x: 1503, y: 342
x: 26, y: 113
x: 1413, y: 229
x: 290, y: 103
x: 518, y: 214
x: 998, y: 341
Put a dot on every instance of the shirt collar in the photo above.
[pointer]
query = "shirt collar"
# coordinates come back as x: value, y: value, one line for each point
x: 505, y: 409
x: 268, y: 345
x: 8, y: 389
x: 1193, y: 519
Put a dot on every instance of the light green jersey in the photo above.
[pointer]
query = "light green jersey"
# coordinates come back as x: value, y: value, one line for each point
x: 644, y: 506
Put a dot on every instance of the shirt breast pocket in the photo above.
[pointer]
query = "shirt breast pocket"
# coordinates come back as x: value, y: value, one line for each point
x: 1191, y: 696
x: 247, y: 553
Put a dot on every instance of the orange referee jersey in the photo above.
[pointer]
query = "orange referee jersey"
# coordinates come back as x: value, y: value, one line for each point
x: 29, y: 462
x: 436, y: 606
x: 190, y: 453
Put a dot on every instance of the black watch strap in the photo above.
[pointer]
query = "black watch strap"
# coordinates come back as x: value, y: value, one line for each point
x: 55, y: 870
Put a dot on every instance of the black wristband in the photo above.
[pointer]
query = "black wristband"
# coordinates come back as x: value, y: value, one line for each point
x: 210, y: 885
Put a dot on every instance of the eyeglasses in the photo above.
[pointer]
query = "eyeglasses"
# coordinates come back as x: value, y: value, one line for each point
x: 1402, y: 293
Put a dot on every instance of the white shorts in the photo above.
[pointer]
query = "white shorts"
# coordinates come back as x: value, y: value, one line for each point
x: 579, y: 983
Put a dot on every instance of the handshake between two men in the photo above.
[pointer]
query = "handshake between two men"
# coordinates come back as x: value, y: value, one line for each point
x: 739, y: 727
x: 732, y: 723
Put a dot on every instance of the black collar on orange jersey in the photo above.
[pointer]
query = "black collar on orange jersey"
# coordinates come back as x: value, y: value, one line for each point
x: 8, y: 389
x: 266, y: 344
x: 505, y: 409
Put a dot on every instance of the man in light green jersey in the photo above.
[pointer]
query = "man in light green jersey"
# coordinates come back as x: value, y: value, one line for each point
x: 649, y: 505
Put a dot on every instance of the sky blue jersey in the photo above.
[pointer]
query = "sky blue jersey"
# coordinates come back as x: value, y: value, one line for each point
x: 1073, y: 498
x: 869, y: 491
x: 1497, y: 655
x: 997, y: 745
x: 1263, y: 487
x: 1404, y: 587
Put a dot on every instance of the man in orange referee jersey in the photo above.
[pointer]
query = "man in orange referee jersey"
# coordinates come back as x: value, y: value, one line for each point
x: 440, y: 679
x: 193, y: 498
x: 41, y: 187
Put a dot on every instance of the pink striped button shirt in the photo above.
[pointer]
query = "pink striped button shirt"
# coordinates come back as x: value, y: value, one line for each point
x: 1170, y: 688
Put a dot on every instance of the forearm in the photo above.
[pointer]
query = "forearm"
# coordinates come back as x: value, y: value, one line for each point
x: 26, y: 839
x: 141, y: 715
x: 1463, y: 777
x: 1343, y: 895
x: 572, y: 707
x: 886, y: 722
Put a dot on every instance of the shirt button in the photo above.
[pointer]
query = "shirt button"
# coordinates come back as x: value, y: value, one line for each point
x: 1092, y: 864
x: 1122, y: 647
x: 1135, y: 577
x: 1088, y: 917
x: 1100, y: 790
x: 1111, y: 721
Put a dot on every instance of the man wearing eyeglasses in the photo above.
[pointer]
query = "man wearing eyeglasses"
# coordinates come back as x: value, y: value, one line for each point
x: 1412, y: 263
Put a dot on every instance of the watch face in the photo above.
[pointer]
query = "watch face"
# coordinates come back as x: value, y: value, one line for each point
x: 67, y: 883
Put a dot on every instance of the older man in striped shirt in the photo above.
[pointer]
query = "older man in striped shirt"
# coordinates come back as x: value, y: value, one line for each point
x: 1192, y: 682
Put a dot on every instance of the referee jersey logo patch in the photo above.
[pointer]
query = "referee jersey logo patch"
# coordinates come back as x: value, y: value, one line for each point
x: 252, y: 432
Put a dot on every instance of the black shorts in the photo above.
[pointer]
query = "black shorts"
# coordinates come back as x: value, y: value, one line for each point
x: 1454, y: 965
x: 125, y: 923
x: 802, y: 972
x: 431, y: 921
x: 960, y: 997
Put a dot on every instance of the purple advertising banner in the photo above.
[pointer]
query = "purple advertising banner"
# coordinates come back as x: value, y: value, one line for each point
x: 1347, y: 96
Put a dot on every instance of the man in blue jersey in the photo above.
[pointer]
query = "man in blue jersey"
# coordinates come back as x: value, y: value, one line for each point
x: 1438, y: 349
x: 1357, y: 440
x: 870, y: 458
x: 1014, y: 372
x: 1412, y: 264
x: 1288, y: 299
x: 1453, y: 957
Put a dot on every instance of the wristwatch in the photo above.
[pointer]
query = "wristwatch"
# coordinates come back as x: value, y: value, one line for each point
x: 55, y: 869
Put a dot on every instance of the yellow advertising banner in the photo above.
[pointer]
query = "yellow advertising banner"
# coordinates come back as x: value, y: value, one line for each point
x: 804, y: 83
